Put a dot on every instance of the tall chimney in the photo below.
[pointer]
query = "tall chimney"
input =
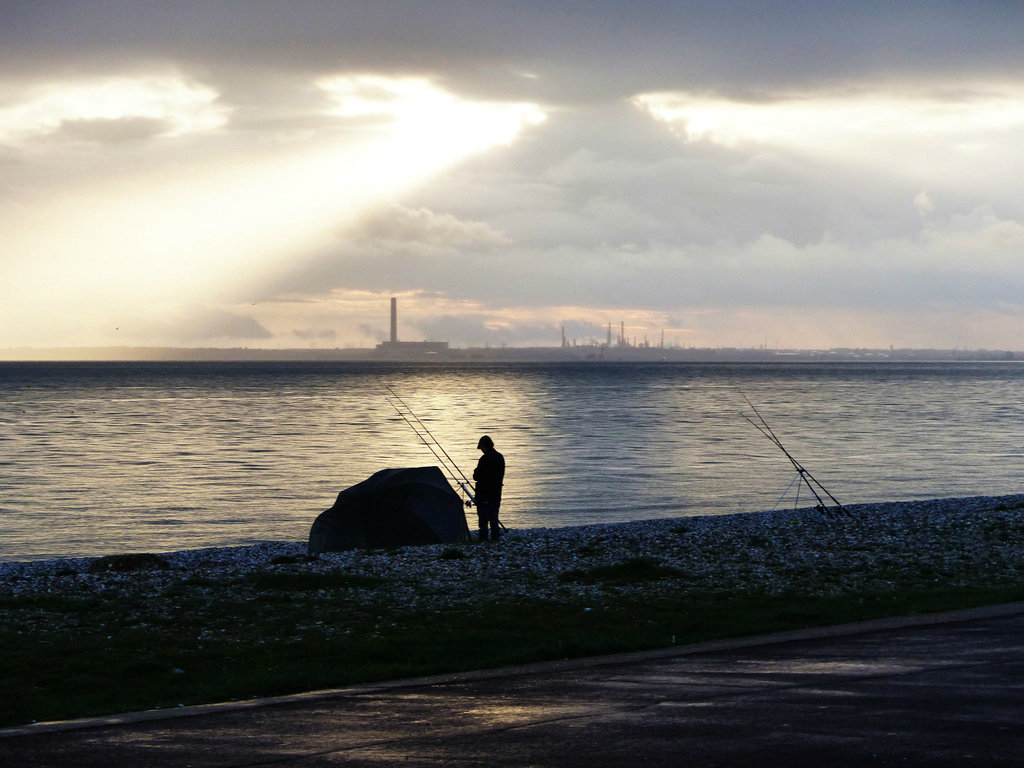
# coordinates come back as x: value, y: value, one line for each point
x: 394, y: 320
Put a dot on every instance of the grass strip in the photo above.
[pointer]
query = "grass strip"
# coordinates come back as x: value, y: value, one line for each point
x: 276, y: 634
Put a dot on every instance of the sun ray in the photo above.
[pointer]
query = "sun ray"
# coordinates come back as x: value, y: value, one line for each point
x: 198, y: 230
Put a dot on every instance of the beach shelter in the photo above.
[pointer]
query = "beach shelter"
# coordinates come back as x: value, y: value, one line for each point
x: 391, y: 508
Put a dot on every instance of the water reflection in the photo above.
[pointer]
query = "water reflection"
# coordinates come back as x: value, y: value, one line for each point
x: 98, y: 459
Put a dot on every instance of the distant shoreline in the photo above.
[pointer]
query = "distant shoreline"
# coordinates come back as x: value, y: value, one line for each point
x: 579, y: 353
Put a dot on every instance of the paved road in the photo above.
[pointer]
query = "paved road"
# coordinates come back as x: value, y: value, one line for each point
x: 936, y: 691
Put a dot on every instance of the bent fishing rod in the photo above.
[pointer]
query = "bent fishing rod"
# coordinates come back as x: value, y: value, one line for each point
x: 428, y: 439
x: 802, y: 474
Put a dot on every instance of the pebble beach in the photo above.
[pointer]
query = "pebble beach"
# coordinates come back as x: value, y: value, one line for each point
x: 943, y: 542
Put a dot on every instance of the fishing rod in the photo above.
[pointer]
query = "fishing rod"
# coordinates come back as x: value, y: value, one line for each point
x: 435, y: 447
x: 802, y: 474
x: 428, y: 439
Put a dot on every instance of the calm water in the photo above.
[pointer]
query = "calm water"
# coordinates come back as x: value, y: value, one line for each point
x: 101, y: 458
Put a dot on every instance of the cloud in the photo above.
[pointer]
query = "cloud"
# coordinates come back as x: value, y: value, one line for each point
x: 315, y: 334
x: 923, y: 203
x: 575, y: 53
x: 112, y: 131
x: 607, y: 209
x: 175, y: 105
x: 391, y: 250
x: 199, y: 324
x: 400, y: 225
x: 715, y: 167
x: 979, y: 252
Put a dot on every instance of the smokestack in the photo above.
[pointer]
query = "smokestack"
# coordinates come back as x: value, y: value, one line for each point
x: 394, y: 320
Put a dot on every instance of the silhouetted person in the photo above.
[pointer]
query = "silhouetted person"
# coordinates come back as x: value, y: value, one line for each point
x: 489, y: 476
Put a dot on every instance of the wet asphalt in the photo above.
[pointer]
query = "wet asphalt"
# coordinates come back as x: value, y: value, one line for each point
x: 935, y: 690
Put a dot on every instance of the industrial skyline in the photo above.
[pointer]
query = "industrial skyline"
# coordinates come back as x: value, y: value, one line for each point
x: 621, y: 349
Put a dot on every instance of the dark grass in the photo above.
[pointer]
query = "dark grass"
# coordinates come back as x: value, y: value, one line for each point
x: 272, y: 634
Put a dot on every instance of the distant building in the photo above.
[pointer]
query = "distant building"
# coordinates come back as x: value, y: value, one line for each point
x: 400, y: 349
x: 396, y: 349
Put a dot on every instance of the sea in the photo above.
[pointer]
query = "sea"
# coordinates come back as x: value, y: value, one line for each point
x: 101, y: 458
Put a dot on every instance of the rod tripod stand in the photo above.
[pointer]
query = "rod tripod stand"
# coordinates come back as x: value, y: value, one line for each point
x: 803, y: 477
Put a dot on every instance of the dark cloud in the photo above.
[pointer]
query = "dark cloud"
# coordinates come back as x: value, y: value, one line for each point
x: 555, y: 52
x: 423, y: 227
x: 207, y: 324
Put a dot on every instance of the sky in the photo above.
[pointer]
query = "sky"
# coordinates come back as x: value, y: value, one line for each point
x: 247, y: 173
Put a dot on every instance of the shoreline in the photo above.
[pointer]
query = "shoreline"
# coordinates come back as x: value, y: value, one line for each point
x: 936, y: 539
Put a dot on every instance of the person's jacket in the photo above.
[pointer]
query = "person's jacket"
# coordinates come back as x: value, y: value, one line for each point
x: 489, y: 475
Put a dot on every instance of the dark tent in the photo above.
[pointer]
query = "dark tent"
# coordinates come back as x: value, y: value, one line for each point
x: 391, y: 508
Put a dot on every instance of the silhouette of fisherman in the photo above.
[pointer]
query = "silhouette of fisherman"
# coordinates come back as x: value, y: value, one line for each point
x: 489, y: 476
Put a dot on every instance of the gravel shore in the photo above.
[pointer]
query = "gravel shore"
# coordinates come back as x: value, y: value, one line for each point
x: 949, y: 542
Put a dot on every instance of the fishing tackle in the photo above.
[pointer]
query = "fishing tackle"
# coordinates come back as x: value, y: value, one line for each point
x: 802, y: 475
x: 428, y: 439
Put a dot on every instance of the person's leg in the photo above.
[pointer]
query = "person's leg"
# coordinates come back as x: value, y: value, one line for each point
x: 483, y: 518
x: 492, y: 518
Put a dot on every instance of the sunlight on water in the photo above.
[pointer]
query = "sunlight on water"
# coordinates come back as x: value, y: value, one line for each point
x: 101, y: 458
